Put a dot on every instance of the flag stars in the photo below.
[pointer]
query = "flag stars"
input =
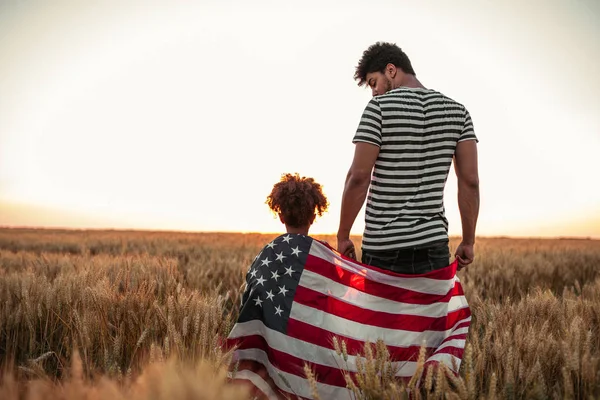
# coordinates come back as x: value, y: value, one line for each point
x: 278, y: 311
x: 289, y: 271
x: 275, y: 275
x: 286, y: 238
x: 260, y: 281
x: 271, y: 245
x: 280, y: 257
x: 253, y: 273
x: 296, y: 252
x: 270, y: 295
x: 283, y: 290
x: 258, y: 301
x: 266, y: 261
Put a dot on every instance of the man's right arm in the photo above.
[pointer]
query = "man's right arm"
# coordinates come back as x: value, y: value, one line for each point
x: 465, y: 165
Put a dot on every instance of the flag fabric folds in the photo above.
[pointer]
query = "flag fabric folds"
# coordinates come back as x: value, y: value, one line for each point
x: 300, y: 293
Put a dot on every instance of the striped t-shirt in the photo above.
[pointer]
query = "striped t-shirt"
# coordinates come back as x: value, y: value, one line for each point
x: 417, y: 131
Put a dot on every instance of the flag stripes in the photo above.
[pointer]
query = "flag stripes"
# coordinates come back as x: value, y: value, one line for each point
x: 337, y: 297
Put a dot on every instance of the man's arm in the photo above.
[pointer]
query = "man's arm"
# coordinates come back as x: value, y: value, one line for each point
x: 465, y: 165
x: 357, y: 184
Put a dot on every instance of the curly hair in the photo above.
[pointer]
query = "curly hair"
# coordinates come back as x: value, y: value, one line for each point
x: 377, y: 56
x: 297, y: 199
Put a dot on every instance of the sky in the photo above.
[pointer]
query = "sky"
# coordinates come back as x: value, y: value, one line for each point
x: 182, y: 115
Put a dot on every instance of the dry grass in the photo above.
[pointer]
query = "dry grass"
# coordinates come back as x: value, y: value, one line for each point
x: 106, y: 314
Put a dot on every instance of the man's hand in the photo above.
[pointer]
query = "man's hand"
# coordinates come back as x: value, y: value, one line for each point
x: 346, y: 248
x: 464, y: 254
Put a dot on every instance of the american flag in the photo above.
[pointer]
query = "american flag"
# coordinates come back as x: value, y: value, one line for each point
x: 300, y: 293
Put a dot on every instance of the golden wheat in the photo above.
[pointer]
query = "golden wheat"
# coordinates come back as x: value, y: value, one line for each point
x: 117, y: 314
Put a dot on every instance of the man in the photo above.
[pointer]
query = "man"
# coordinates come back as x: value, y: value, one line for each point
x: 405, y: 143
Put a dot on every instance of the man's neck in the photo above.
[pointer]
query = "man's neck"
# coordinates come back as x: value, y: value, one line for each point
x: 411, y: 81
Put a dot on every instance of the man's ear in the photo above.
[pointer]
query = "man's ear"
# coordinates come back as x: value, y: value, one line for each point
x: 281, y: 218
x: 312, y: 219
x: 391, y: 70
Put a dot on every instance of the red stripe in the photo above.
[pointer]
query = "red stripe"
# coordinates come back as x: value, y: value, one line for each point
x: 465, y: 324
x: 460, y: 336
x: 288, y: 363
x: 441, y: 274
x: 338, y: 274
x: 365, y: 316
x: 324, y: 338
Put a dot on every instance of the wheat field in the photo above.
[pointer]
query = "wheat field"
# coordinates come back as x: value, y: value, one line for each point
x: 140, y: 315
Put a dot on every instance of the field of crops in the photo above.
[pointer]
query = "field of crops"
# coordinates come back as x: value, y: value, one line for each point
x: 139, y: 315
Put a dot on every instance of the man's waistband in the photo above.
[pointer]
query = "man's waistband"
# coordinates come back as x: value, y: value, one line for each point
x: 415, y: 251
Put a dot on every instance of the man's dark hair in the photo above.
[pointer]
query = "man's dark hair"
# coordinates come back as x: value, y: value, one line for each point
x: 377, y: 56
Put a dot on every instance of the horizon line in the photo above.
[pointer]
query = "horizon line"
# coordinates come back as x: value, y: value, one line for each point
x: 158, y: 230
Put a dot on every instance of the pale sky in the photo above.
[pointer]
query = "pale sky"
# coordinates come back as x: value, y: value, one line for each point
x: 182, y: 115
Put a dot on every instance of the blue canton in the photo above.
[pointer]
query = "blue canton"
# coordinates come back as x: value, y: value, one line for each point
x: 272, y: 279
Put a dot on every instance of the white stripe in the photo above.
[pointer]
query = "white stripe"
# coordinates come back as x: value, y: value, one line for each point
x: 373, y: 235
x: 392, y: 106
x: 439, y: 231
x: 386, y: 187
x: 400, y: 203
x: 298, y: 385
x: 410, y: 180
x: 256, y: 381
x: 370, y: 112
x: 420, y: 148
x: 416, y: 164
x: 451, y: 121
x: 400, y: 208
x: 442, y: 169
x: 380, y: 223
x: 355, y: 297
x: 458, y: 113
x: 400, y: 131
x: 417, y: 284
x: 410, y: 202
x: 459, y: 343
x: 447, y: 359
x: 391, y: 191
x: 409, y: 223
x: 401, y: 228
x: 460, y: 331
x: 402, y: 114
x: 345, y: 327
x: 429, y: 153
x: 368, y: 135
x: 381, y: 244
x: 372, y: 130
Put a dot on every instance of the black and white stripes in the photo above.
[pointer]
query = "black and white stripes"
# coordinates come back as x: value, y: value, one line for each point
x: 417, y: 131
